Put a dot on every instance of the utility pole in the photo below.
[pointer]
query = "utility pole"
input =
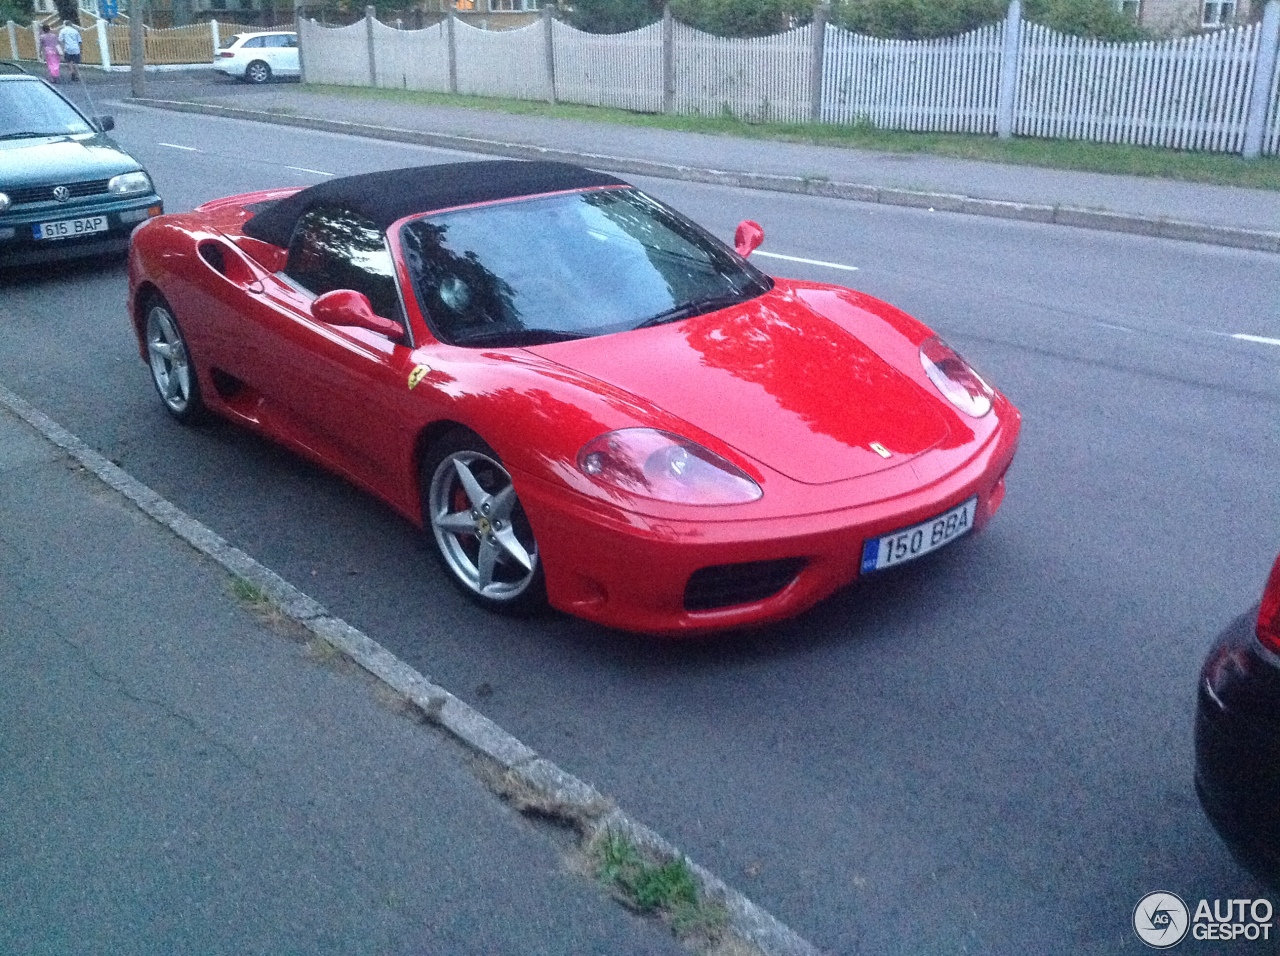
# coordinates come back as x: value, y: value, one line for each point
x: 137, y: 50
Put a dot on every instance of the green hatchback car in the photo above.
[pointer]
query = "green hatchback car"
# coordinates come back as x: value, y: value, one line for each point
x: 66, y: 189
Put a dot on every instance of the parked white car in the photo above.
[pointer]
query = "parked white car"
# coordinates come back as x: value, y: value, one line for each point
x: 257, y: 57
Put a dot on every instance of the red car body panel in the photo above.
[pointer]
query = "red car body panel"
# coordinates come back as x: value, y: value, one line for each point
x: 769, y: 385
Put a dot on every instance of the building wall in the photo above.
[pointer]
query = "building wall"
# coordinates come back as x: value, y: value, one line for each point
x: 1184, y: 16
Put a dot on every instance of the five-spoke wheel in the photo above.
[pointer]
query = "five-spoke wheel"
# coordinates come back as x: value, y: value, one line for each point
x: 171, y: 368
x: 481, y: 533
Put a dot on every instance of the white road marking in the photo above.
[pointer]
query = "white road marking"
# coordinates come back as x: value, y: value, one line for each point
x: 1118, y: 328
x: 304, y: 169
x: 808, y: 262
x: 187, y: 149
x: 1261, y: 339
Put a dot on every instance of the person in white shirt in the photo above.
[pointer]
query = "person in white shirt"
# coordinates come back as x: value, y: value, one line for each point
x: 69, y: 38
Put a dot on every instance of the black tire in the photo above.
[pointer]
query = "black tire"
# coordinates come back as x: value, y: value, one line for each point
x: 481, y: 535
x: 173, y: 372
x: 257, y: 72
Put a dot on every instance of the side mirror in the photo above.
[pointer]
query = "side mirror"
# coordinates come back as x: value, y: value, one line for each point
x: 105, y: 123
x: 747, y: 237
x: 351, y: 308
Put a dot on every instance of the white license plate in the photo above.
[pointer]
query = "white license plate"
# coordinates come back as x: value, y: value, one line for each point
x: 70, y: 228
x: 908, y: 544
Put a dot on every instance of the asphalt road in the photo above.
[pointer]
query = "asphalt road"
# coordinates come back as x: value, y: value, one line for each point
x: 985, y: 752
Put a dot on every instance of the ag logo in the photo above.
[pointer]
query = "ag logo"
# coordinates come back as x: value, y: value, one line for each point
x: 1161, y: 920
x: 416, y: 376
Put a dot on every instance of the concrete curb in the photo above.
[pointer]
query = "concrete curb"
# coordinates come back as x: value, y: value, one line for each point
x: 478, y: 733
x: 1096, y: 219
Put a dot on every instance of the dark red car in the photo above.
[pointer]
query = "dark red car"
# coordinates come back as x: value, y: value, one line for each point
x: 583, y: 397
x: 1238, y: 735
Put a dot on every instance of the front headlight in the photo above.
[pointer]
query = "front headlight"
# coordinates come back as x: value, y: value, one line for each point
x: 130, y: 184
x: 659, y: 465
x: 4, y: 202
x: 955, y: 378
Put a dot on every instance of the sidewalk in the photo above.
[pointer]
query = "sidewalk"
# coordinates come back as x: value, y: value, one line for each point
x: 1134, y: 202
x: 178, y: 776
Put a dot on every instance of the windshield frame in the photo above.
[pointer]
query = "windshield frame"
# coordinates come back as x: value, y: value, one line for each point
x: 755, y: 282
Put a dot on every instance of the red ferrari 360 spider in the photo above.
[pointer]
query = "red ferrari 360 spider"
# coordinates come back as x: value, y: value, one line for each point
x: 581, y: 396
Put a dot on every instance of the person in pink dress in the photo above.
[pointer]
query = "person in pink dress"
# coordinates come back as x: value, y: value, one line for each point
x: 49, y: 52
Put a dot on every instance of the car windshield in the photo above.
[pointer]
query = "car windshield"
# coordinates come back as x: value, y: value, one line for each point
x: 229, y: 42
x: 29, y: 108
x: 566, y: 267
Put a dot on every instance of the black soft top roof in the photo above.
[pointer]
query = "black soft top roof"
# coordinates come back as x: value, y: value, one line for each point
x: 393, y: 194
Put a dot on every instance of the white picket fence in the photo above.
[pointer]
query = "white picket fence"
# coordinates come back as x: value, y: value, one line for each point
x: 1193, y: 93
x: 949, y: 85
x: 1190, y: 93
x: 615, y: 69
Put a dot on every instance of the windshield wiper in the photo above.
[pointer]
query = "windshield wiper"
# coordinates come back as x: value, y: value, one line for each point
x: 696, y: 307
x: 23, y: 134
x: 516, y: 337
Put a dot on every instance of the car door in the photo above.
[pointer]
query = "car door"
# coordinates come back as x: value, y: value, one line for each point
x: 341, y: 392
x: 289, y: 65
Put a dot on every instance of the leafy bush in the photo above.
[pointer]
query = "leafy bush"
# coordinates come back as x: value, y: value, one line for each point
x: 922, y: 19
x: 917, y: 19
x: 742, y: 18
x: 613, y: 16
x: 1086, y: 18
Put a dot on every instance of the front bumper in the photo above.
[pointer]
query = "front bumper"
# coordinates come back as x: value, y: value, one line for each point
x: 632, y: 573
x: 18, y: 245
x: 1238, y: 747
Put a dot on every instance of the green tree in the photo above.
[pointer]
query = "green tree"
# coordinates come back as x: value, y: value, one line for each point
x: 19, y: 11
x: 613, y: 16
x: 742, y: 18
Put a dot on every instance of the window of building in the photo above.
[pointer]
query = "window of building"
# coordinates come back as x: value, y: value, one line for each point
x: 513, y: 6
x: 1219, y: 13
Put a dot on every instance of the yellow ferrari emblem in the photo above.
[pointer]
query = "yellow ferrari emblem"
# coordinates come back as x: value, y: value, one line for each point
x: 880, y: 450
x: 417, y: 375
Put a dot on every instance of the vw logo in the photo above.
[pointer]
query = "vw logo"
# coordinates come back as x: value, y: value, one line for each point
x: 61, y: 193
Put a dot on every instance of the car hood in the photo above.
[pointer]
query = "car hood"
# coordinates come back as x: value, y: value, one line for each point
x: 778, y: 382
x: 61, y: 159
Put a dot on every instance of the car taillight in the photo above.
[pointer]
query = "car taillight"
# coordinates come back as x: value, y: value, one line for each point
x: 1269, y: 616
x: 226, y: 53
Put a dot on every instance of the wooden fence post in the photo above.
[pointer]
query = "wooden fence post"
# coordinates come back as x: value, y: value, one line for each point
x: 371, y: 14
x: 817, y: 56
x: 548, y: 15
x: 13, y: 39
x: 1009, y: 70
x: 453, y: 48
x: 104, y: 45
x: 1264, y: 77
x: 668, y: 59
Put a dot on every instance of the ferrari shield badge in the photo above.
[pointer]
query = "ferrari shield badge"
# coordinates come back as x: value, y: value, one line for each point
x: 417, y: 375
x: 876, y: 447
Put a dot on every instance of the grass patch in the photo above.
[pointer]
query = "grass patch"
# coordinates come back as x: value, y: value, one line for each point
x: 666, y: 888
x: 249, y: 593
x: 1055, y: 154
